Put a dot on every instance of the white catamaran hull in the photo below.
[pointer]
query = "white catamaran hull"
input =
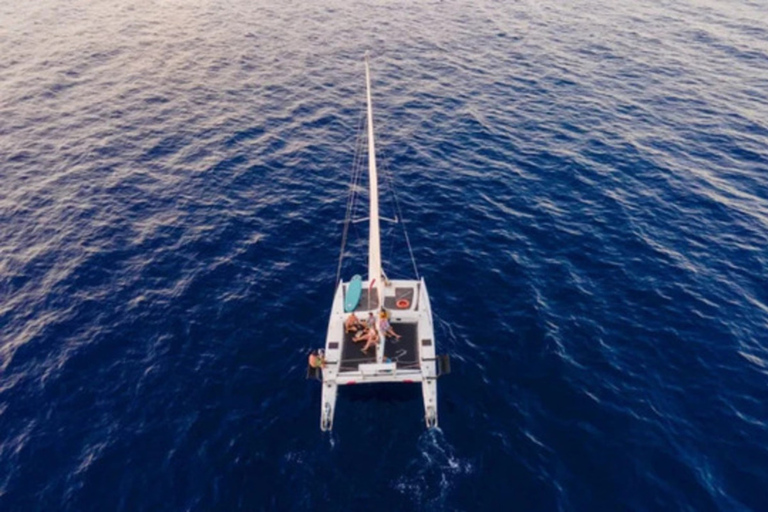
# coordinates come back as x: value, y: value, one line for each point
x: 408, y: 357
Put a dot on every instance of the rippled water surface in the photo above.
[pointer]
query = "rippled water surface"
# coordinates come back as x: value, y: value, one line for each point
x: 586, y: 190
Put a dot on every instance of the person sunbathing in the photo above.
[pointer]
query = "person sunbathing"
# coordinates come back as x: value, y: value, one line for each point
x: 361, y: 335
x: 372, y: 340
x: 353, y: 324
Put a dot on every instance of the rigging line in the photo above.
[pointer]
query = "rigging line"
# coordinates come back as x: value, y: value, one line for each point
x: 350, y: 199
x: 361, y: 151
x: 400, y: 217
x: 387, y: 236
x: 358, y: 164
x: 356, y: 171
x: 391, y: 244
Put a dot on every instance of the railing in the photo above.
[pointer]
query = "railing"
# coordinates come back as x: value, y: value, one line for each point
x: 401, y: 365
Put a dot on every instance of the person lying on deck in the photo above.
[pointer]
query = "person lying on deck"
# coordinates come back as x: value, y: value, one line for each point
x: 372, y: 340
x: 361, y: 335
x: 353, y: 324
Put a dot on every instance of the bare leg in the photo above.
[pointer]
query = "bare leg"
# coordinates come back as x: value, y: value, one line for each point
x: 373, y: 340
x: 360, y: 336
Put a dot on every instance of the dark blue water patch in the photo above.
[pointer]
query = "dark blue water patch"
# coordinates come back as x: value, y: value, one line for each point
x: 229, y: 164
x: 19, y: 157
x: 250, y: 133
x: 156, y: 100
x: 584, y: 192
x: 167, y: 146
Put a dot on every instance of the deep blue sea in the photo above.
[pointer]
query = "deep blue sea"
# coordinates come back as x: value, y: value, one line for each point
x: 585, y: 186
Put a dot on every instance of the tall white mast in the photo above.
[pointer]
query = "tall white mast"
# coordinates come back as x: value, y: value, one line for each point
x: 374, y: 240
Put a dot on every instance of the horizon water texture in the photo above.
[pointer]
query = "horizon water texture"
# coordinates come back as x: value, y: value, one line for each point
x: 585, y: 186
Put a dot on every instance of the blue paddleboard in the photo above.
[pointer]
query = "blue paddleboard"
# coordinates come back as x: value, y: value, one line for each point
x: 354, y: 289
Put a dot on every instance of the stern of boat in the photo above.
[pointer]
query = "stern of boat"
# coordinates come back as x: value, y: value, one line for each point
x: 408, y: 359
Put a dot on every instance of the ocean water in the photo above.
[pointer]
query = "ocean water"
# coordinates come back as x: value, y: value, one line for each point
x: 585, y: 186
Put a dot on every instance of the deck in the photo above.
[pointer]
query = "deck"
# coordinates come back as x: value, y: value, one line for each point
x: 403, y: 351
x: 406, y: 293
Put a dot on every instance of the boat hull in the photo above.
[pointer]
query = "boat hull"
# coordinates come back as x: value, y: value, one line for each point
x: 407, y: 359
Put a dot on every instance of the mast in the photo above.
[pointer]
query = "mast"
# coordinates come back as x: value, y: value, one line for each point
x: 374, y: 235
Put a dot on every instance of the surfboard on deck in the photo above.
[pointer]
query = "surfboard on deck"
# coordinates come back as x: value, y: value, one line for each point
x: 354, y: 289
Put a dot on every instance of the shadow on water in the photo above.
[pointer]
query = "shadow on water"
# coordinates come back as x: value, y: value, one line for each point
x: 391, y: 393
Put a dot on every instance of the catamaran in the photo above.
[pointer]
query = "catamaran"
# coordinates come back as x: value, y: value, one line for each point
x: 408, y: 357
